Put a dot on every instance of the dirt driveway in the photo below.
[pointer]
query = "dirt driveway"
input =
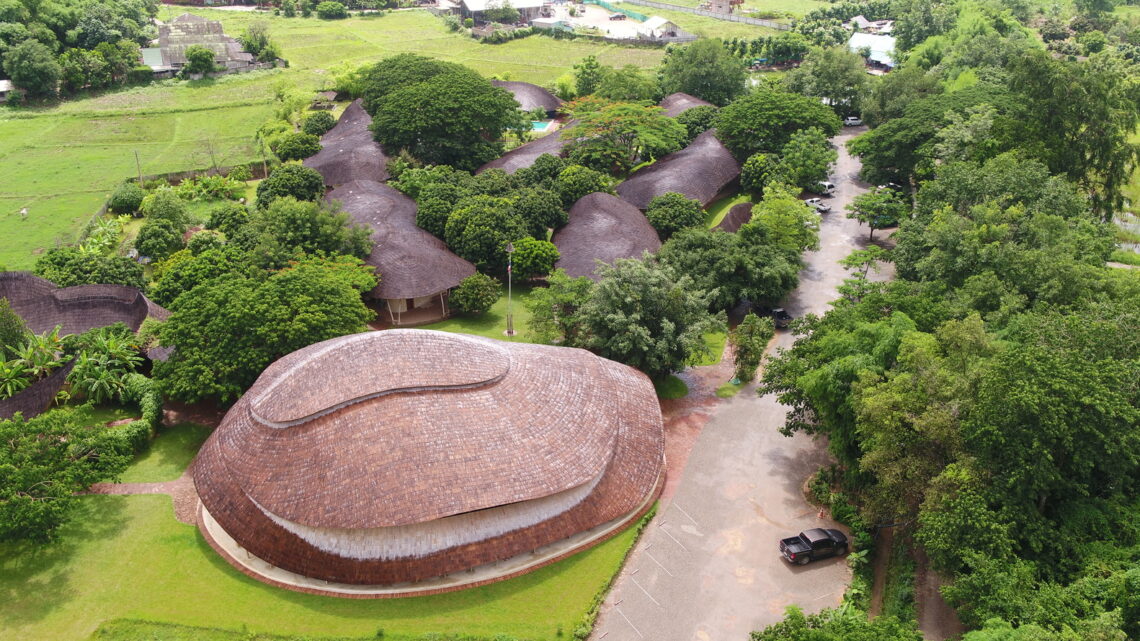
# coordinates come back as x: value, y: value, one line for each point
x: 707, y: 567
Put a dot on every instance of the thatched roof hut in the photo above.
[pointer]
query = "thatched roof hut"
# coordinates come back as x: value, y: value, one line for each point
x: 348, y: 151
x: 75, y: 310
x: 402, y: 455
x: 602, y: 227
x: 531, y: 97
x: 416, y: 269
x: 699, y: 171
x: 524, y: 156
x: 678, y: 103
x: 736, y: 217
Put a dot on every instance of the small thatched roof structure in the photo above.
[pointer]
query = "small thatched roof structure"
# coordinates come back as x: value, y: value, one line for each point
x: 678, y: 103
x: 530, y: 97
x: 75, y: 310
x: 412, y: 263
x: 736, y: 217
x: 602, y: 227
x: 348, y: 151
x: 188, y: 29
x: 401, y: 455
x: 524, y: 156
x: 699, y: 171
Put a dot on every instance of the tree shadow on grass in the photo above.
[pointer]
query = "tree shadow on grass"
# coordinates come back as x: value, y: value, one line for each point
x: 35, y: 578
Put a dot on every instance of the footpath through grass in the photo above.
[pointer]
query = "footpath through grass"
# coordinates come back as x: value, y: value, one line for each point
x: 127, y: 557
x: 62, y: 162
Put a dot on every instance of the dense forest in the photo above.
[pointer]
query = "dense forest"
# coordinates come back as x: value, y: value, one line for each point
x: 987, y: 397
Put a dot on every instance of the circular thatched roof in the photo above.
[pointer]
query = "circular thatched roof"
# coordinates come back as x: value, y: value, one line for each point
x: 405, y: 454
x: 602, y: 227
x: 699, y: 171
x: 530, y: 97
x: 348, y: 151
x: 412, y: 263
x: 678, y: 103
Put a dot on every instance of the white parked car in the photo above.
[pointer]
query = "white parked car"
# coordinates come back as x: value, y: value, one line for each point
x: 852, y: 121
x: 818, y: 204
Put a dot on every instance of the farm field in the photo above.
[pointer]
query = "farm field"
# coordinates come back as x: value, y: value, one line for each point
x: 61, y: 162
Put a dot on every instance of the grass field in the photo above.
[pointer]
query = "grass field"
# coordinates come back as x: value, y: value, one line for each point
x: 493, y: 322
x: 170, y: 453
x: 127, y: 557
x: 61, y: 162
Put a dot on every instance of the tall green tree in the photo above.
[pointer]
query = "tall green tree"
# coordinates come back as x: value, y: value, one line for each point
x: 227, y: 330
x: 765, y: 120
x: 33, y: 68
x: 455, y: 117
x: 705, y: 69
x: 641, y: 314
x: 836, y: 75
x: 44, y: 463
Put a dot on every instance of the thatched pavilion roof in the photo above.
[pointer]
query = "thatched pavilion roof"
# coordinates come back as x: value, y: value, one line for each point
x: 412, y: 263
x: 348, y: 151
x: 43, y: 306
x: 602, y: 227
x: 740, y: 214
x: 400, y: 455
x: 530, y: 97
x: 678, y: 103
x: 524, y: 156
x: 699, y: 171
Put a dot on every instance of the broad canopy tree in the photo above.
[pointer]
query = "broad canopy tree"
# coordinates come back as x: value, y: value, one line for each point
x: 442, y: 113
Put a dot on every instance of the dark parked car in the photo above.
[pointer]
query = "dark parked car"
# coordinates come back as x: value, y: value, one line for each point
x: 816, y: 543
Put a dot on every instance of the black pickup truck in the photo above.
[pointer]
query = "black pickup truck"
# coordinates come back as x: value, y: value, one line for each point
x: 816, y: 543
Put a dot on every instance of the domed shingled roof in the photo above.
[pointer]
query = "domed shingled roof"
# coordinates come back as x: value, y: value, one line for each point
x: 348, y: 151
x: 530, y: 97
x: 405, y: 454
x: 602, y: 227
x: 678, y: 103
x: 411, y: 262
x: 699, y: 171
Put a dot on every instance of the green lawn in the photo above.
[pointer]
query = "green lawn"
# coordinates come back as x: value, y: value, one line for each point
x: 61, y: 162
x: 493, y: 322
x: 169, y: 454
x: 126, y: 557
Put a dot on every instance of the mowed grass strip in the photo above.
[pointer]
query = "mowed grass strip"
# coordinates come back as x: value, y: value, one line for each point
x: 127, y: 557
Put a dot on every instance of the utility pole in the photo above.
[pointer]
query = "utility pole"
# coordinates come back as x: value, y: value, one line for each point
x: 510, y: 317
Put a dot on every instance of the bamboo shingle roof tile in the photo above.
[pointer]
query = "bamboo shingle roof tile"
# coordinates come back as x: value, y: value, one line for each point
x: 401, y: 455
x: 348, y: 151
x: 412, y: 263
x: 678, y: 103
x: 699, y: 171
x: 602, y: 227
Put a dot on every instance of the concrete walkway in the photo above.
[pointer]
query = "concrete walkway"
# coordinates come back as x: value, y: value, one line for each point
x: 707, y: 567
